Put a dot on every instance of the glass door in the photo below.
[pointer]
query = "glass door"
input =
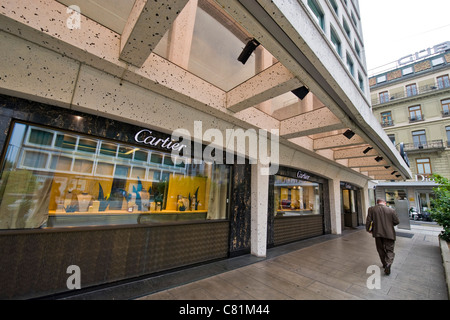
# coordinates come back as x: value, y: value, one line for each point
x: 424, y: 199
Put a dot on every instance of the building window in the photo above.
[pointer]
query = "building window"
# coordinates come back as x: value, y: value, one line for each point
x: 407, y: 71
x: 423, y: 166
x: 445, y: 107
x: 381, y: 79
x: 336, y: 41
x: 355, y: 23
x: 447, y: 129
x: 52, y: 178
x: 392, y: 138
x: 386, y: 119
x: 350, y: 65
x: 347, y: 29
x: 384, y: 96
x: 415, y: 114
x: 335, y: 6
x: 411, y: 90
x: 317, y: 12
x: 419, y: 138
x: 443, y: 82
x: 438, y: 61
x: 358, y: 50
x: 361, y: 82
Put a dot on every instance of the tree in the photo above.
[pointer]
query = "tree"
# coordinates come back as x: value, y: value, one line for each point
x: 440, y: 211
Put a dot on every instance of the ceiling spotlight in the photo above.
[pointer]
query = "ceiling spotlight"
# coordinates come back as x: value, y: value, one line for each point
x: 393, y: 172
x: 248, y: 50
x: 398, y: 176
x: 301, y: 92
x: 367, y: 150
x: 387, y: 167
x: 349, y: 134
x: 378, y: 159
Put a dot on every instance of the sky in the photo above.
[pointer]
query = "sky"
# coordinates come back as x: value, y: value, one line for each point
x: 393, y: 29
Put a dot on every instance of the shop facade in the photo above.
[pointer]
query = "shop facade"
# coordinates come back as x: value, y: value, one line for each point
x: 87, y: 116
x: 298, y: 206
x: 418, y: 195
x: 351, y: 199
x: 84, y: 190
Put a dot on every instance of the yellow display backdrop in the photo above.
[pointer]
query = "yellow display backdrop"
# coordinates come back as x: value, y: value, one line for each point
x: 183, y: 186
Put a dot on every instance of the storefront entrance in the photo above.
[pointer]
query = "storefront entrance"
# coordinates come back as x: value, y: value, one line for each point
x: 350, y: 200
x: 424, y: 203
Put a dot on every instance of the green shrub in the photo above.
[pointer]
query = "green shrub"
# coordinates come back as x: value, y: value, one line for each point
x: 440, y: 211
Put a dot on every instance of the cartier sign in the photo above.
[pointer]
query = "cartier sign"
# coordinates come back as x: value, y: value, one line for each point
x: 425, y: 53
x: 303, y: 176
x: 146, y: 137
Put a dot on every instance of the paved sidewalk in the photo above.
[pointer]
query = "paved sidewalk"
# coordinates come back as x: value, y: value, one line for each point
x: 335, y: 268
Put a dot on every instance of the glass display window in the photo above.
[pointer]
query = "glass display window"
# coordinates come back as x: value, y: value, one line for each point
x: 393, y: 195
x: 52, y: 178
x: 295, y: 197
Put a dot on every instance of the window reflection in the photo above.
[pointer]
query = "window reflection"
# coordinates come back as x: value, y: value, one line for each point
x: 295, y: 197
x: 59, y: 179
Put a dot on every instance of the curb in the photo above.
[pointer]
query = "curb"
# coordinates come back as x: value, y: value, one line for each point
x: 445, y: 252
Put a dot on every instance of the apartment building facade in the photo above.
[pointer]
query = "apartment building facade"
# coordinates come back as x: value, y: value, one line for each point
x: 92, y: 96
x: 412, y: 104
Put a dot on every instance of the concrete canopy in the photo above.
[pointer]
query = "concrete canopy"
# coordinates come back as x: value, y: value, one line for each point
x: 315, y: 125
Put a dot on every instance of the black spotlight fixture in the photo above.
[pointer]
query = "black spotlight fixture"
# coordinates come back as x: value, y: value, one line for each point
x: 398, y: 176
x: 387, y: 167
x: 349, y: 134
x: 248, y: 50
x: 379, y: 159
x: 301, y: 92
x: 393, y: 173
x: 367, y: 150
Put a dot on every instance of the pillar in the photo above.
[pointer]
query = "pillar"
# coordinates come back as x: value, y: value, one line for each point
x: 335, y: 206
x: 259, y: 211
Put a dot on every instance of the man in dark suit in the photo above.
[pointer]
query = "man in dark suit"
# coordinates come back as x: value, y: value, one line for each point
x: 380, y: 223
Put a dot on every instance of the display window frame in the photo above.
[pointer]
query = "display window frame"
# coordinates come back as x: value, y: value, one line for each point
x: 154, y: 172
x: 300, y: 176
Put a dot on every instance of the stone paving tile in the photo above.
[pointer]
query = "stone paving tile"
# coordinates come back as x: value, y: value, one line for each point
x: 334, y: 269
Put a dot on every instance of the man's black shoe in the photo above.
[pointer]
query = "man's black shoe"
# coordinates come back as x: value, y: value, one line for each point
x: 387, y: 270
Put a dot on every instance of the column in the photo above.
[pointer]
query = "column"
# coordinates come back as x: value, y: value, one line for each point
x: 335, y: 206
x: 259, y: 210
x: 365, y: 202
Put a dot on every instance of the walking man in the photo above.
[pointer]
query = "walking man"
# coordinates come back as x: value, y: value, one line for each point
x: 380, y: 223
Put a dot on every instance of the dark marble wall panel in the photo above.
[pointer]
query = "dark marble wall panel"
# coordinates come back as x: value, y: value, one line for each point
x: 240, y: 211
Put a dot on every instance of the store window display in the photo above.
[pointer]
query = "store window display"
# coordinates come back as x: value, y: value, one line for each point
x: 53, y: 178
x: 294, y: 197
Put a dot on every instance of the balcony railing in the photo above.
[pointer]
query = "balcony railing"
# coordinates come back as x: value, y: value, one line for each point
x: 429, y: 146
x: 417, y: 118
x: 387, y: 123
x: 404, y: 94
